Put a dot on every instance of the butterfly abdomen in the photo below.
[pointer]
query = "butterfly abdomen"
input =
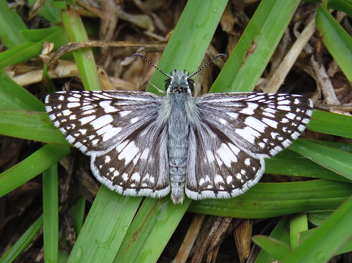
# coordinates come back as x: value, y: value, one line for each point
x: 178, y: 130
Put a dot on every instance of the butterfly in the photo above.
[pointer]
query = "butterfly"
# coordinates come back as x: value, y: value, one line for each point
x: 210, y: 146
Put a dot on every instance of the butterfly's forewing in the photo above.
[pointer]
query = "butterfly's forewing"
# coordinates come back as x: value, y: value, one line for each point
x: 259, y: 123
x: 118, y: 130
x: 94, y: 120
x: 233, y: 134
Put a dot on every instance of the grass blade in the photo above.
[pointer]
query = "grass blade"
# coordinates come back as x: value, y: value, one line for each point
x: 31, y: 167
x: 327, y: 239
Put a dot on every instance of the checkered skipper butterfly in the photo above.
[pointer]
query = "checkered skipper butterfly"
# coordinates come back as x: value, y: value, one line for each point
x: 211, y: 146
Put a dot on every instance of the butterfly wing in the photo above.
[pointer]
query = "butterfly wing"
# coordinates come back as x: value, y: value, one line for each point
x: 233, y: 133
x: 121, y: 133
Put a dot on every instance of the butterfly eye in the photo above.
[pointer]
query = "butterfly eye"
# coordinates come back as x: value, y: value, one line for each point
x: 167, y: 84
x: 190, y: 84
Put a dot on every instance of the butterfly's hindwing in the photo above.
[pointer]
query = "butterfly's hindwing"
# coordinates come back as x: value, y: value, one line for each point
x: 137, y: 166
x: 217, y: 167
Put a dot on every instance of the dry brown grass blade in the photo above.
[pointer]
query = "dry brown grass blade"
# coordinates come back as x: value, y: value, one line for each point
x: 98, y: 43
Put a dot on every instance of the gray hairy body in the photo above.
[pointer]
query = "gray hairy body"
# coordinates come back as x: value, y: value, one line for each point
x: 178, y: 131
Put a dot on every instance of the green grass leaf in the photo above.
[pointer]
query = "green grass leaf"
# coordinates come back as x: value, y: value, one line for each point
x: 84, y: 58
x: 256, y: 46
x: 335, y: 160
x: 31, y: 167
x: 10, y: 34
x: 159, y: 219
x: 49, y: 12
x: 291, y: 163
x: 331, y: 123
x: 327, y: 239
x: 298, y: 223
x: 276, y: 248
x: 266, y: 200
x: 23, y: 242
x: 106, y: 225
x: 282, y: 237
x: 13, y: 96
x: 29, y: 49
x: 51, y: 214
x: 346, y: 248
x: 30, y: 125
x: 335, y: 38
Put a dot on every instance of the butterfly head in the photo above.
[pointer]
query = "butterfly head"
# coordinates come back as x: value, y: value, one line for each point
x: 179, y: 82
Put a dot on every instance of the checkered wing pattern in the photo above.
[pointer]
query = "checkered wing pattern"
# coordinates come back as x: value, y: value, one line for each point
x: 233, y: 134
x: 121, y: 133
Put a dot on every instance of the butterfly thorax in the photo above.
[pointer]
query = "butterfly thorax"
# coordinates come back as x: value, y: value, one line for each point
x: 178, y: 99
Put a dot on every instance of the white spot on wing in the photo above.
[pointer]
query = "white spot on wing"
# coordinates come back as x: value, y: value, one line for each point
x: 261, y: 145
x: 87, y: 107
x: 104, y: 103
x: 136, y: 177
x: 110, y: 109
x: 72, y: 99
x: 66, y: 112
x: 129, y: 152
x: 73, y: 105
x: 247, y: 111
x: 232, y: 115
x: 125, y: 177
x: 218, y: 179
x: 233, y: 148
x: 48, y: 107
x: 270, y: 110
x: 284, y: 108
x: 121, y: 146
x: 248, y: 133
x: 291, y: 116
x: 271, y: 123
x: 134, y: 120
x: 255, y: 123
x: 145, y: 154
x: 274, y: 135
x: 108, y: 132
x: 107, y: 159
x: 87, y: 119
x: 222, y: 121
x: 125, y: 113
x: 210, y: 156
x: 115, y: 174
x: 101, y: 121
x: 226, y: 155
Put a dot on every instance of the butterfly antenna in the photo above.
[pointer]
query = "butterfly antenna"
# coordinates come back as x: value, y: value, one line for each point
x: 207, y: 64
x: 150, y: 63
